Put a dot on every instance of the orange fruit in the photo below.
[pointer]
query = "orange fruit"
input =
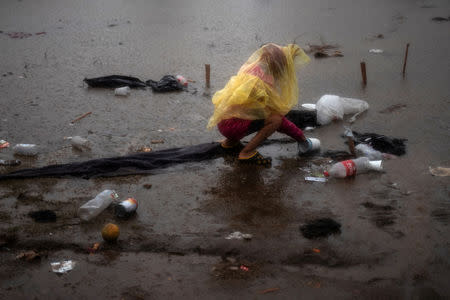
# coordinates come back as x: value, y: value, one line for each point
x: 110, y: 232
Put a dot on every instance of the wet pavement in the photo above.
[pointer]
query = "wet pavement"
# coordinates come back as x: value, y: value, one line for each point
x: 394, y: 240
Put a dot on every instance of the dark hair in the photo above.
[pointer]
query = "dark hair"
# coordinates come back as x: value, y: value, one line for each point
x: 275, y: 59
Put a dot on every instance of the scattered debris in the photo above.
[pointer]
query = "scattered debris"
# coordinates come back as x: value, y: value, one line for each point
x: 271, y: 290
x: 157, y: 141
x: 376, y: 51
x: 144, y: 149
x: 81, y: 117
x: 147, y: 186
x: 244, y: 268
x: 440, y: 171
x: 94, y: 248
x: 315, y: 250
x: 4, y: 144
x: 28, y: 256
x: 239, y: 236
x: 320, y: 228
x: 440, y: 19
x: 43, y: 216
x: 166, y: 84
x: 379, y: 36
x: 321, y: 51
x: 62, y: 267
x: 392, y: 108
x: 18, y: 35
x: 322, y: 54
x: 316, y: 179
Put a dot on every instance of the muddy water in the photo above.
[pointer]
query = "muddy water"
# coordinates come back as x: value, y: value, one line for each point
x: 394, y: 239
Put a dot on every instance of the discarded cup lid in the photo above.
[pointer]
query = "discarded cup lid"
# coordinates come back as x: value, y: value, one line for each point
x: 309, y: 106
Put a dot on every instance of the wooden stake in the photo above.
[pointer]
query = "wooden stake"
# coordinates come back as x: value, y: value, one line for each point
x: 351, y: 145
x: 406, y: 58
x: 81, y: 117
x: 207, y: 74
x: 363, y: 72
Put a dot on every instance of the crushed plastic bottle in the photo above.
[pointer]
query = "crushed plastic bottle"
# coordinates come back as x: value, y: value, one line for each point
x: 349, y: 168
x: 26, y: 149
x: 94, y: 207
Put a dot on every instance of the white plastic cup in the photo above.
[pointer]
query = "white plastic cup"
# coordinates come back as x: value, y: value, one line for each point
x: 315, y: 144
x: 122, y: 91
x: 311, y: 145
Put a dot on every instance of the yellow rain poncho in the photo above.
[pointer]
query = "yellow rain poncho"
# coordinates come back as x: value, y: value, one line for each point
x: 265, y: 84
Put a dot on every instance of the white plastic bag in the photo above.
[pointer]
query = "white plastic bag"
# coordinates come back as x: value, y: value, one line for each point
x: 332, y: 107
x: 329, y: 108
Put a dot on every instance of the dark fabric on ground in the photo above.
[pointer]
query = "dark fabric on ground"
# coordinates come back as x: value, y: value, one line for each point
x: 166, y: 84
x: 139, y: 163
x: 115, y: 81
x: 382, y: 143
x: 43, y: 216
x: 303, y: 118
x: 320, y: 228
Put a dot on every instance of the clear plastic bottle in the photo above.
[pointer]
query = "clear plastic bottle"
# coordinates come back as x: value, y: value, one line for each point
x: 94, y: 207
x: 26, y: 149
x: 349, y: 168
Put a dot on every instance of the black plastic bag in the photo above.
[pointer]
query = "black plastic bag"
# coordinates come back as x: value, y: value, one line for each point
x: 382, y: 143
x: 115, y: 81
x: 167, y: 84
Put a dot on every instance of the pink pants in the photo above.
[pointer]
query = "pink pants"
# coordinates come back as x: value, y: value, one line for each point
x: 235, y: 129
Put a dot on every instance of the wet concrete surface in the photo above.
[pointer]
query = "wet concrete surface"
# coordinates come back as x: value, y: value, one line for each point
x: 394, y: 240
